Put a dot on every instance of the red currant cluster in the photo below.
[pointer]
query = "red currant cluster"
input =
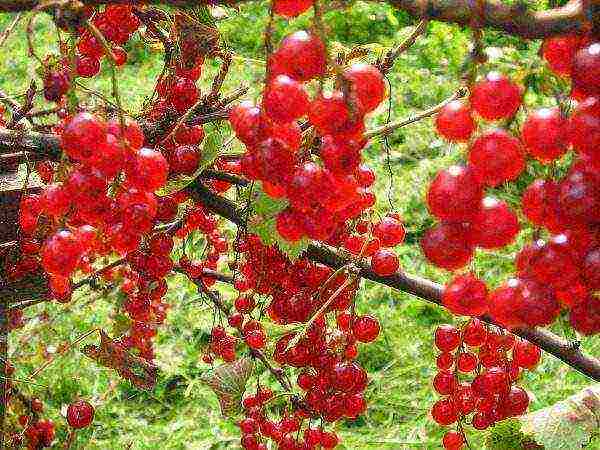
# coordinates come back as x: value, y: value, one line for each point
x: 116, y: 23
x: 555, y: 273
x: 38, y: 433
x: 322, y: 198
x: 493, y: 362
x: 257, y: 425
x: 558, y: 272
x: 301, y: 293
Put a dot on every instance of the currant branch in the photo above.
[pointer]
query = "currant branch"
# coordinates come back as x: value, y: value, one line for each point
x: 419, y: 287
x: 515, y: 20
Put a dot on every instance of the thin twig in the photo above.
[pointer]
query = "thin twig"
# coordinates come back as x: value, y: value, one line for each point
x: 8, y: 30
x: 388, y: 62
x: 392, y: 126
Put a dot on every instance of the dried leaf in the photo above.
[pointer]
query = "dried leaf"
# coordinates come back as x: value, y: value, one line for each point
x: 228, y: 382
x: 113, y: 355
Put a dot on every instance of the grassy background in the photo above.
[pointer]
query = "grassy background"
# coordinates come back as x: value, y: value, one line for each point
x: 182, y: 413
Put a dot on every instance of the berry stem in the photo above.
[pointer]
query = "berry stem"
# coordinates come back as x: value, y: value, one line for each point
x: 392, y: 126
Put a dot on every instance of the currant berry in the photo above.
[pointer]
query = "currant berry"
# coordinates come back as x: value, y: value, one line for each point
x: 453, y: 440
x: 544, y: 134
x: 496, y: 97
x: 495, y: 225
x: 80, y: 414
x: 496, y: 157
x: 466, y: 295
x: 455, y: 122
x: 291, y: 8
x: 367, y: 88
x: 559, y: 52
x: 285, y: 100
x: 455, y: 194
x: 300, y: 56
x: 366, y: 329
x: 526, y: 355
x: 447, y: 338
x: 585, y: 73
x: 448, y: 245
x: 444, y: 412
x: 384, y: 262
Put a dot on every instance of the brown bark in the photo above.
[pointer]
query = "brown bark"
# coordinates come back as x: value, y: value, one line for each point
x: 515, y: 20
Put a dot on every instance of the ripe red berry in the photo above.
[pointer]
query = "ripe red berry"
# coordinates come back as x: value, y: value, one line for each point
x: 366, y: 328
x: 285, y: 99
x: 447, y: 338
x: 544, y: 134
x: 54, y: 200
x: 526, y: 355
x: 384, y: 262
x: 584, y: 127
x: 495, y: 225
x: 585, y: 73
x: 503, y: 304
x: 189, y: 134
x: 390, y: 231
x: 330, y: 114
x: 183, y: 94
x: 82, y: 136
x: 591, y: 269
x: 516, y: 402
x: 288, y: 226
x: 559, y: 52
x: 455, y: 122
x: 448, y: 245
x: 453, y: 440
x: 444, y: 412
x: 444, y: 361
x: 256, y: 339
x: 150, y: 170
x: 291, y: 8
x: 80, y: 414
x: 120, y: 55
x: 496, y: 97
x: 300, y: 56
x: 367, y: 88
x: 184, y: 160
x: 540, y: 204
x: 245, y: 121
x: 466, y: 295
x: 444, y: 382
x: 585, y: 316
x: 87, y: 66
x: 496, y: 157
x: 455, y: 194
x: 474, y: 333
x: 466, y: 362
x: 61, y: 253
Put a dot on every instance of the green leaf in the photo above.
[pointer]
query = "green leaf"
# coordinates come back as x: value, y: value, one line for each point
x: 209, y: 151
x: 228, y: 382
x: 293, y: 250
x: 263, y: 224
x: 264, y: 205
x: 121, y: 324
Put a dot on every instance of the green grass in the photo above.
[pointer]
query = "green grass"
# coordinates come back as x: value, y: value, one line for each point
x: 181, y: 413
